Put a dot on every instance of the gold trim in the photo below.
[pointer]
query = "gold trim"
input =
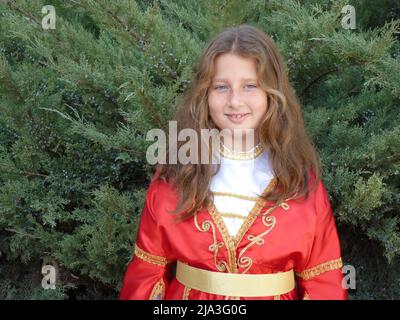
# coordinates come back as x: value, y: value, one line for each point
x: 269, y: 221
x: 228, y: 240
x: 319, y: 269
x: 232, y: 215
x: 235, y: 284
x: 158, y: 291
x: 254, y: 213
x: 151, y: 258
x: 241, y: 155
x: 234, y: 195
x: 277, y: 297
x: 222, y: 265
x: 186, y: 292
x: 232, y: 242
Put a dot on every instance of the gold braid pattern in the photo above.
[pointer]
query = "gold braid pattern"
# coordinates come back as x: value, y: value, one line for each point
x: 319, y: 269
x: 234, y: 195
x: 186, y: 292
x: 206, y: 225
x: 158, y: 291
x: 151, y: 258
x: 232, y: 242
x: 269, y: 221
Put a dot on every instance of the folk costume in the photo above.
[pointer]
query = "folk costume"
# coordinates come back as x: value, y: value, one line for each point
x: 240, y: 247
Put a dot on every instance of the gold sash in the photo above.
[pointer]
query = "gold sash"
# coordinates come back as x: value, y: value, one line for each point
x: 235, y: 284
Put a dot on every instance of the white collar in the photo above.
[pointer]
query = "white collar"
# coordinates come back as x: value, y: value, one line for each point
x: 253, y: 153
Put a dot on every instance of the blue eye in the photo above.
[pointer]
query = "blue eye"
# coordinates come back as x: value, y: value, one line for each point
x: 219, y: 87
x: 251, y: 86
x: 223, y: 87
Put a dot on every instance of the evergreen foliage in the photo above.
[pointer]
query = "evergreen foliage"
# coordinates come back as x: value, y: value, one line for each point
x: 76, y: 103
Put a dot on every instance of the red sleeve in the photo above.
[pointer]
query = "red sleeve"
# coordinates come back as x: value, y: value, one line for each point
x: 320, y: 277
x: 149, y: 272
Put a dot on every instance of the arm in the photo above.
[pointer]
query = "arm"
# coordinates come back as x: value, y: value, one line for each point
x: 320, y: 277
x: 149, y: 272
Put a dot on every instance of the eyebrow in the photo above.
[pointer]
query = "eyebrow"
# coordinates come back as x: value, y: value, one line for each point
x: 243, y: 79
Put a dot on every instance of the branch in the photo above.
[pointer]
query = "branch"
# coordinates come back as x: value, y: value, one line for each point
x: 153, y: 113
x: 12, y: 5
x: 317, y: 79
x: 21, y: 233
x: 97, y: 89
x: 128, y: 150
x: 124, y: 25
x: 33, y: 174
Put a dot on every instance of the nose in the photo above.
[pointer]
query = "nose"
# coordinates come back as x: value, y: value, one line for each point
x: 235, y: 100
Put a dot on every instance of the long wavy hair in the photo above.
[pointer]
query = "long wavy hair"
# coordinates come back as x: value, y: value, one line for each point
x: 293, y: 157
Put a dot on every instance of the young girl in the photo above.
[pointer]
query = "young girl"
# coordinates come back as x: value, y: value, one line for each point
x: 259, y: 224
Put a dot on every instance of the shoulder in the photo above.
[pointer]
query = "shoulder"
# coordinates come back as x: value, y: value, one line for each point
x: 160, y: 197
x: 317, y: 201
x: 157, y: 186
x: 320, y: 198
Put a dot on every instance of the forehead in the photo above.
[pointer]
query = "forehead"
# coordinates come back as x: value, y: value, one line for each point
x: 233, y: 67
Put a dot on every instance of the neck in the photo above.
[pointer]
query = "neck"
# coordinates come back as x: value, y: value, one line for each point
x: 240, y: 143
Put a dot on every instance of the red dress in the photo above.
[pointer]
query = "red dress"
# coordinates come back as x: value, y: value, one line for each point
x: 298, y: 235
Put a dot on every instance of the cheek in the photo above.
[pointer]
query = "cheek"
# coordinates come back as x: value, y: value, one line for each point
x: 259, y: 104
x: 215, y: 105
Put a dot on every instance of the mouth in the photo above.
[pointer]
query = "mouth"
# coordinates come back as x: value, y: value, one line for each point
x: 237, y: 117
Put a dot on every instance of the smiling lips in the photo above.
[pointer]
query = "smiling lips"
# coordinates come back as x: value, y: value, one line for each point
x: 237, y: 117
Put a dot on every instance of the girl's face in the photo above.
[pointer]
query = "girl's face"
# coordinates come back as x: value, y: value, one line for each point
x: 235, y: 99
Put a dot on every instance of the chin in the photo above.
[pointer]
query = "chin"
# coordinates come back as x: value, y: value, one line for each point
x: 239, y: 128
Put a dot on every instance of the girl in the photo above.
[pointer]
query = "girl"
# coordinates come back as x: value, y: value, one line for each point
x: 258, y: 225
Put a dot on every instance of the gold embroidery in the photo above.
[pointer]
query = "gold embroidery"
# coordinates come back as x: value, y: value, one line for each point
x: 278, y: 297
x: 269, y: 221
x: 321, y: 268
x: 241, y: 155
x: 227, y: 240
x: 306, y: 296
x: 254, y: 213
x: 158, y: 291
x: 232, y: 215
x: 151, y: 258
x: 232, y: 242
x: 222, y: 265
x: 234, y: 195
x: 186, y: 292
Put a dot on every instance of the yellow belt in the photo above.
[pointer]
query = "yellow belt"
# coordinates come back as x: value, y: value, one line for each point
x: 235, y: 284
